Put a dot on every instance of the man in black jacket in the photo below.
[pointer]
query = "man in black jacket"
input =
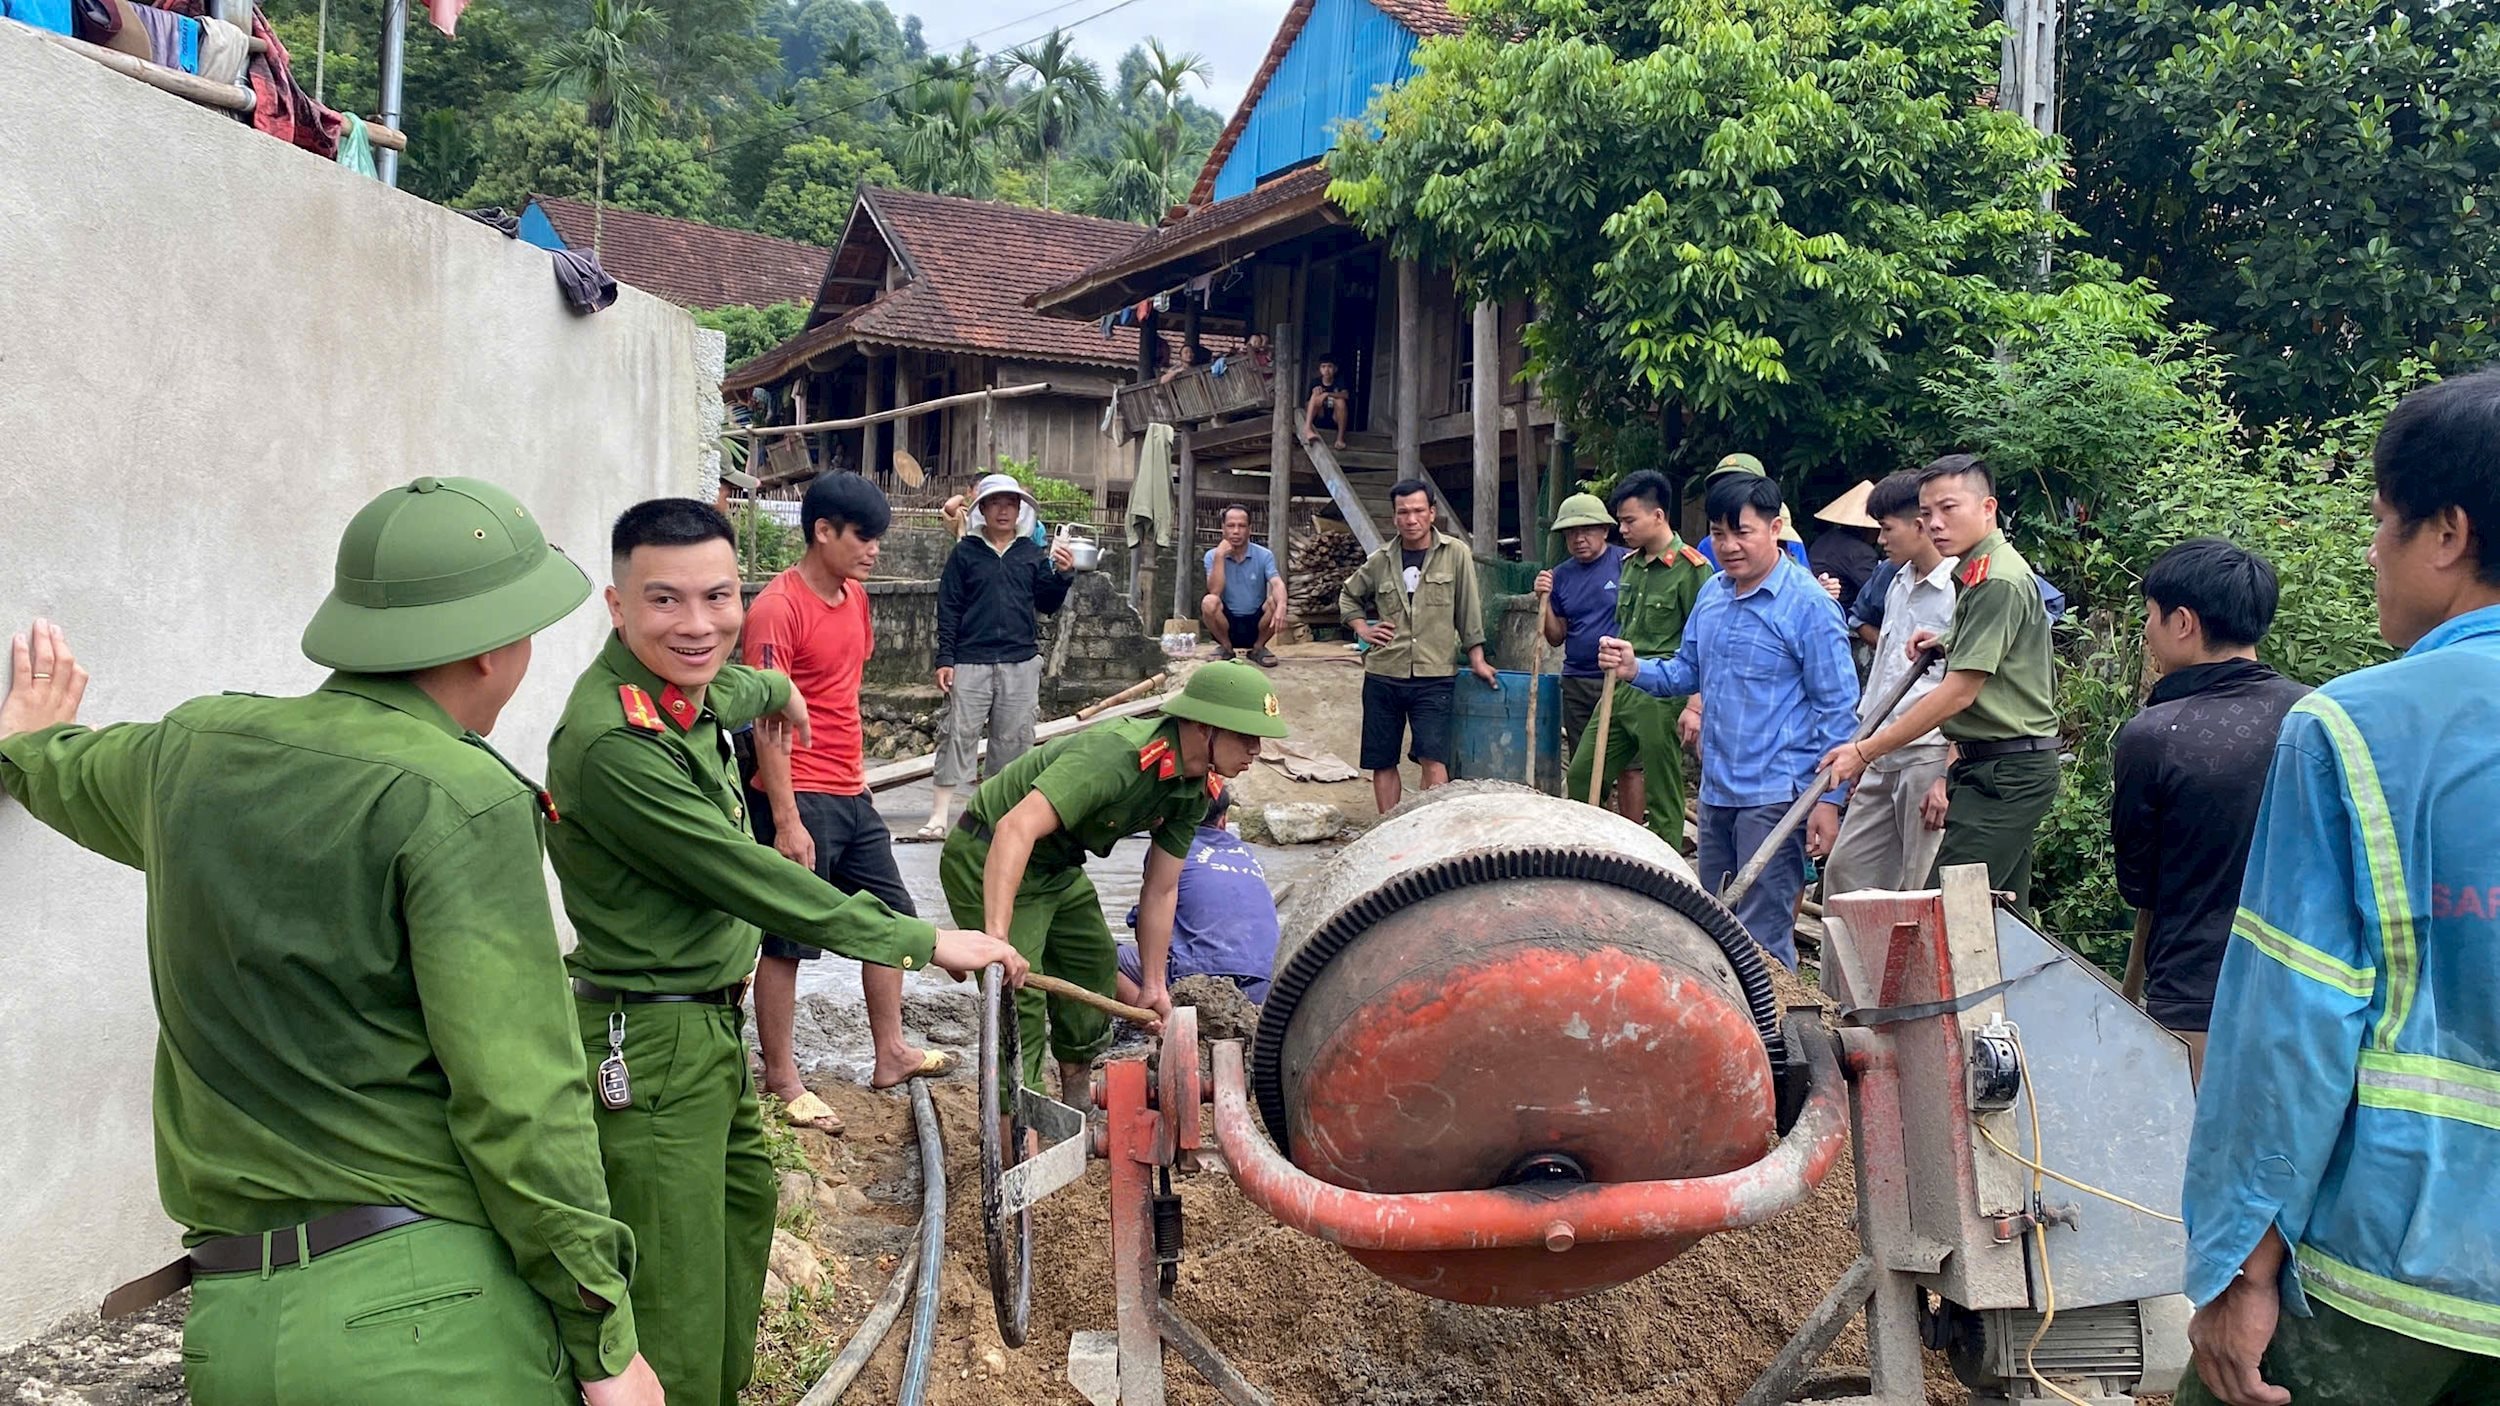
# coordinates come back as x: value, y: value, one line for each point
x: 2189, y: 772
x: 991, y: 597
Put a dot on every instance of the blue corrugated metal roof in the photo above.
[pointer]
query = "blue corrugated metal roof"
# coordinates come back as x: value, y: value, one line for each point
x: 1346, y: 51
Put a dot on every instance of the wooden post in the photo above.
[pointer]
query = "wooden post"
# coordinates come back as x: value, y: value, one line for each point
x: 985, y: 439
x: 1532, y: 543
x: 902, y: 435
x: 1485, y: 417
x: 1409, y: 428
x: 871, y: 402
x: 1185, y: 532
x: 1283, y: 423
x: 1145, y: 348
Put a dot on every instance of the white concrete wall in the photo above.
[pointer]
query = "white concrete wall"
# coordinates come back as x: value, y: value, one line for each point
x: 213, y: 349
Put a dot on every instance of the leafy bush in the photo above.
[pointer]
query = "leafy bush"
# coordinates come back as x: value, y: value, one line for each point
x: 1061, y: 501
x: 765, y: 547
x: 753, y: 331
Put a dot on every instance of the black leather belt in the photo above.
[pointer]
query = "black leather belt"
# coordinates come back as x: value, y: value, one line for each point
x: 593, y: 991
x: 970, y: 826
x: 233, y: 1254
x: 2012, y: 746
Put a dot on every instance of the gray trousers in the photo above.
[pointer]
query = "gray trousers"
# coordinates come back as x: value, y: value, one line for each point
x: 1002, y: 700
x: 1883, y: 843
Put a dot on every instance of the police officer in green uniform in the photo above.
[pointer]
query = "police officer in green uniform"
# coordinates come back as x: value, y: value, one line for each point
x: 1015, y: 863
x: 668, y: 893
x: 1996, y: 704
x: 371, y: 1120
x: 1661, y: 578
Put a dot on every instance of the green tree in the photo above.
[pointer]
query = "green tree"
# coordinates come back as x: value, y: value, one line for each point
x: 605, y: 67
x: 451, y: 89
x: 552, y: 150
x: 814, y: 186
x: 951, y: 136
x: 754, y: 331
x: 1160, y: 85
x: 1750, y: 223
x: 1142, y: 177
x: 2316, y: 182
x: 1067, y: 93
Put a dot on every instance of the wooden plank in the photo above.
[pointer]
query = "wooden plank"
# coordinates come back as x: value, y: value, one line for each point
x: 1485, y: 397
x: 871, y: 394
x: 911, y: 769
x: 1358, y: 518
x: 1281, y: 430
x: 1409, y: 409
x: 1185, y: 532
x: 1531, y: 485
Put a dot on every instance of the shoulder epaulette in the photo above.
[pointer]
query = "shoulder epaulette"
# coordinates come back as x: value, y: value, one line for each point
x: 1974, y: 571
x: 1694, y: 557
x: 1156, y: 756
x: 640, y: 711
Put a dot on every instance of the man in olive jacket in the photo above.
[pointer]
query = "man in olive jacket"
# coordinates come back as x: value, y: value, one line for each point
x: 1414, y: 604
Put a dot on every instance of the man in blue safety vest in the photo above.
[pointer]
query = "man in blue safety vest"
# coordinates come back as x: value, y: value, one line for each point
x: 2343, y: 1241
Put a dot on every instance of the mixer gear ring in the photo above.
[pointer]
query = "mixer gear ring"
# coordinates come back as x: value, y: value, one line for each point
x: 1002, y: 1059
x: 1334, y: 934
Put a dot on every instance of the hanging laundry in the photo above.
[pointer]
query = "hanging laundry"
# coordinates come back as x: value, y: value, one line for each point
x: 445, y: 14
x: 173, y: 41
x: 224, y: 50
x: 1163, y: 301
x: 1106, y: 326
x: 53, y: 15
x: 1144, y: 309
x: 95, y: 21
x: 1200, y: 286
x: 587, y: 287
x: 130, y: 35
x: 355, y: 148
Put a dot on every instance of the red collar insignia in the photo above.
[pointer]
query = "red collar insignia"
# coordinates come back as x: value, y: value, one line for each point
x: 1156, y: 756
x: 1975, y: 571
x: 547, y: 807
x: 639, y: 710
x: 677, y: 707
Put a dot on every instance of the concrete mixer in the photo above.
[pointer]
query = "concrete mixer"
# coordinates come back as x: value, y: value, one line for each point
x: 1515, y: 1054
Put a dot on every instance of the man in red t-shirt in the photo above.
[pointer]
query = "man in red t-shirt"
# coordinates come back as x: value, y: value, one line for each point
x: 811, y: 623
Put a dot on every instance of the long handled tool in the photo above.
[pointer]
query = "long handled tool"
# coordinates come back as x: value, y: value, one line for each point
x: 1822, y: 782
x: 1536, y: 680
x: 1056, y: 986
x: 1604, y: 723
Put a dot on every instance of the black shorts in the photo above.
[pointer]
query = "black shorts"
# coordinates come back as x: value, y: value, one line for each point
x: 1242, y: 631
x: 1391, y: 707
x: 854, y: 853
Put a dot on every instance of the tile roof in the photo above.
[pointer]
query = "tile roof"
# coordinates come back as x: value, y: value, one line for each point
x: 973, y: 265
x: 1301, y: 191
x: 692, y: 265
x: 1425, y: 18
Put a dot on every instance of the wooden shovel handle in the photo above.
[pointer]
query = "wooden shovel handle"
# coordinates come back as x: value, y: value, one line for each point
x: 1040, y: 981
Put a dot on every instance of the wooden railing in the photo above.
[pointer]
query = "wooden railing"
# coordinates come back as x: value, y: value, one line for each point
x: 1197, y: 396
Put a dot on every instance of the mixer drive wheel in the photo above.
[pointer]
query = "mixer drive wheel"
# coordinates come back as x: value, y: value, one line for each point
x: 1009, y: 1239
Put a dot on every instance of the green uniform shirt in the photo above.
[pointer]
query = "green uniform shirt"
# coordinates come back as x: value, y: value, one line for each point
x: 1443, y: 621
x: 1105, y: 783
x: 1999, y: 629
x: 358, y: 992
x: 1656, y: 596
x: 666, y: 889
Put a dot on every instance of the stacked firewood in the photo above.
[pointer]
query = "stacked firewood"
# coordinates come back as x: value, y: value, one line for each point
x: 1323, y: 555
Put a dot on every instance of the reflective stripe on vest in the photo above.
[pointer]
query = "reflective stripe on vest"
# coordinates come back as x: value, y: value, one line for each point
x: 2449, y: 1321
x: 2433, y: 1087
x: 2301, y: 957
x: 2389, y: 895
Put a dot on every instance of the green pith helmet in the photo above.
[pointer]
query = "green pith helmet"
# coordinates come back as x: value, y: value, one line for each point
x: 1583, y: 510
x: 1739, y: 463
x: 1232, y: 696
x: 443, y: 569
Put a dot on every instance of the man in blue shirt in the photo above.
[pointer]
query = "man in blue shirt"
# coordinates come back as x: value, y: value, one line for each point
x: 1244, y: 605
x: 1790, y: 542
x: 1579, y: 598
x: 1767, y: 654
x: 2343, y: 1239
x: 1224, y: 922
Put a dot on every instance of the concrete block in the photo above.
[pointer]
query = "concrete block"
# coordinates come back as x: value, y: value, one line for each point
x: 1303, y: 822
x: 1094, y: 1366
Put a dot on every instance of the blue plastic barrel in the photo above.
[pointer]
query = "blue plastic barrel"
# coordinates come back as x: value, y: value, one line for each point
x: 1490, y: 741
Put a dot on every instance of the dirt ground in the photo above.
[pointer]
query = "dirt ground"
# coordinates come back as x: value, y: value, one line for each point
x: 1313, y: 1328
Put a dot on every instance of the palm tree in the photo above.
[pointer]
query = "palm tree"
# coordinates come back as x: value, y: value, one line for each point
x: 852, y: 53
x: 1139, y: 179
x: 1067, y: 91
x: 604, y: 68
x: 1161, y: 82
x: 951, y: 135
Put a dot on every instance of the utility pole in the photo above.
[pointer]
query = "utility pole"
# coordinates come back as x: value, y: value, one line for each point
x: 2027, y: 80
x: 394, y: 49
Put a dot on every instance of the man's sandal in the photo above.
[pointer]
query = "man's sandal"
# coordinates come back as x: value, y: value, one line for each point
x: 809, y: 1111
x: 928, y: 834
x: 934, y: 1064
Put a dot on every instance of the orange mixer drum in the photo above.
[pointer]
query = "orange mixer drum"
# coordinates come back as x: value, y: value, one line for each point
x: 1496, y: 989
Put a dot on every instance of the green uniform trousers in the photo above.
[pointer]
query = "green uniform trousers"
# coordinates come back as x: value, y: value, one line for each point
x: 1058, y: 929
x: 1642, y: 735
x: 418, y: 1316
x: 687, y: 1171
x: 2335, y: 1359
x: 1994, y: 807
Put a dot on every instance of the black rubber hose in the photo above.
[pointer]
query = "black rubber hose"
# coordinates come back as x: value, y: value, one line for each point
x: 923, y: 1343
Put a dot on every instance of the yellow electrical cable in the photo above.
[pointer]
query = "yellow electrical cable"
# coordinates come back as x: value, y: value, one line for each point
x: 2040, y: 1229
x: 2055, y: 1175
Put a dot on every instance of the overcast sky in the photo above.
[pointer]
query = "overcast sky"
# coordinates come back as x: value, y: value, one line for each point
x: 1231, y: 34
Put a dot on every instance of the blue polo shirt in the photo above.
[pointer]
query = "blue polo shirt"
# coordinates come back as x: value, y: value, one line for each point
x: 1584, y: 600
x: 1245, y: 582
